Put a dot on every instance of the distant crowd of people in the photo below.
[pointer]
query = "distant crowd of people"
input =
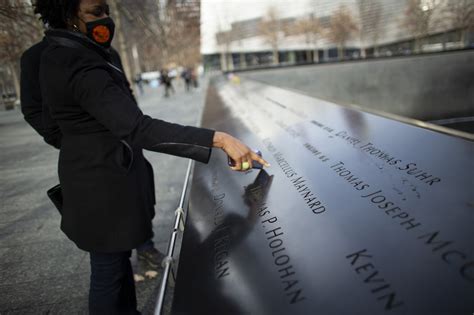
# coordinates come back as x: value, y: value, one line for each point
x: 189, y: 76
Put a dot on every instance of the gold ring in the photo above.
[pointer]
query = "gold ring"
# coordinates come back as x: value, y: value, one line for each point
x: 245, y: 165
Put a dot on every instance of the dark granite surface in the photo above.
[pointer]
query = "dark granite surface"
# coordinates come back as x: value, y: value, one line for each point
x: 358, y: 214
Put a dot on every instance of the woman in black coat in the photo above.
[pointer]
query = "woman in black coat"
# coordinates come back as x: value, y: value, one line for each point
x: 106, y: 182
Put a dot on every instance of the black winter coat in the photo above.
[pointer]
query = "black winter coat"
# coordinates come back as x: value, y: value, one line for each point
x: 37, y: 115
x: 107, y: 192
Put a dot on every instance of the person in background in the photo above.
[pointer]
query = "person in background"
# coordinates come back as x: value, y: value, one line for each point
x: 104, y: 177
x: 186, y: 75
x: 165, y: 80
x: 194, y: 78
x: 139, y: 83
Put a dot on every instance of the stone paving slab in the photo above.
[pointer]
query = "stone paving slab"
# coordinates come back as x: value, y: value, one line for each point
x: 40, y: 251
x: 48, y: 291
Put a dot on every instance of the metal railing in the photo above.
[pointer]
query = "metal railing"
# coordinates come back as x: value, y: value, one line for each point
x: 168, y: 261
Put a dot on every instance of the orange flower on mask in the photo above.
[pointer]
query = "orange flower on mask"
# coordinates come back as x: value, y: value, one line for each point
x: 101, y: 34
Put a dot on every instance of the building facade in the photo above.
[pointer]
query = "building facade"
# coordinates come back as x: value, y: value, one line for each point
x: 382, y: 28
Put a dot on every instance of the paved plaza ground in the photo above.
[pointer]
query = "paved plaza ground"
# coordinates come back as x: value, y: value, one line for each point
x: 41, y: 270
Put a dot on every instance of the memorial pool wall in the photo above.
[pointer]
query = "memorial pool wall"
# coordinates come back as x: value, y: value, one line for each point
x: 424, y: 87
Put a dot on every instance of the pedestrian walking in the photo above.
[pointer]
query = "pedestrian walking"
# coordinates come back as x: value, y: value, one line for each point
x: 139, y: 83
x: 165, y: 80
x: 194, y: 78
x: 186, y: 75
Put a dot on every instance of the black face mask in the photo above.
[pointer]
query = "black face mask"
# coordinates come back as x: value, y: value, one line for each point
x: 101, y: 31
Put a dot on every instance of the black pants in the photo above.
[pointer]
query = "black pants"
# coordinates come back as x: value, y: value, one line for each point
x: 112, y: 289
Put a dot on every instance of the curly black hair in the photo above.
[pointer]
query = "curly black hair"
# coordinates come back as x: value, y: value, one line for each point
x: 56, y: 13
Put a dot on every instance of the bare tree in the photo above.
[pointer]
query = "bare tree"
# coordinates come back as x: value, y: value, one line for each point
x: 270, y: 28
x: 311, y: 29
x: 341, y: 29
x: 185, y: 40
x: 19, y: 29
x: 164, y: 34
x: 418, y: 19
x: 140, y: 27
x: 370, y: 15
x: 122, y: 47
x: 460, y: 14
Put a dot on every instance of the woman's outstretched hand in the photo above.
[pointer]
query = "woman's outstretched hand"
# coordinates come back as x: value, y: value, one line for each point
x: 237, y: 151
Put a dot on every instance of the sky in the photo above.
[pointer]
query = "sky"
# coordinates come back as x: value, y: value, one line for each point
x: 218, y: 14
